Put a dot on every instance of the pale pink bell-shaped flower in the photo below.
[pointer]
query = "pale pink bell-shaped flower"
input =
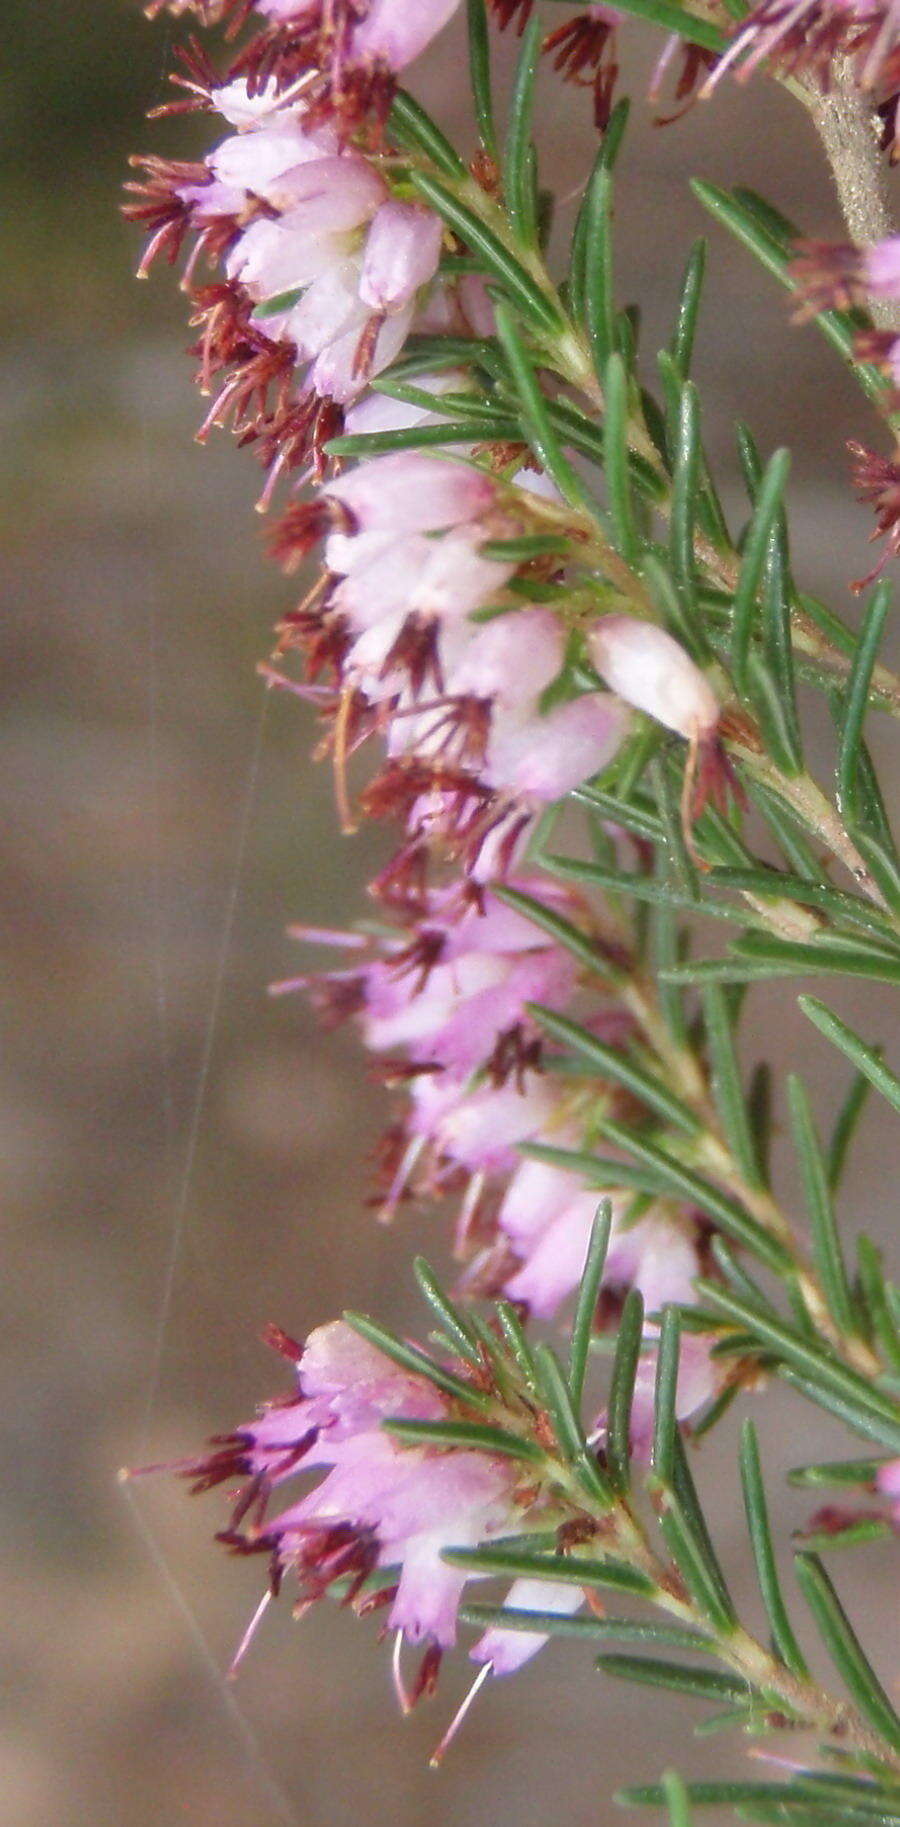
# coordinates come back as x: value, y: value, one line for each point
x: 406, y: 492
x: 395, y: 32
x: 338, y: 372
x: 403, y: 248
x: 253, y: 162
x: 379, y: 1503
x: 378, y: 412
x: 489, y: 963
x: 646, y: 667
x: 700, y: 1379
x: 542, y: 757
x: 508, y: 1650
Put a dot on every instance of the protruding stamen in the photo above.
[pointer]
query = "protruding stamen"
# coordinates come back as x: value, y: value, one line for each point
x: 249, y: 1634
x: 440, y: 1751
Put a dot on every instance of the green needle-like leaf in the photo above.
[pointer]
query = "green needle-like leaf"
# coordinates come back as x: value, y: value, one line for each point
x: 876, y: 1302
x: 728, y: 1090
x: 677, y: 1802
x: 621, y: 1394
x: 615, y: 443
x: 597, y: 1630
x: 837, y: 1472
x: 480, y: 73
x: 823, y: 1224
x: 536, y: 411
x: 467, y: 1434
x: 699, y: 1684
x: 500, y: 263
x: 455, y: 1326
x: 665, y: 1425
x: 422, y: 437
x: 807, y: 1789
x: 666, y: 1175
x: 415, y: 131
x: 681, y: 348
x: 585, y: 949
x: 753, y: 559
x: 864, y: 1058
x: 771, y: 239
x: 845, y: 1648
x: 612, y: 1063
x: 764, y: 1553
x: 567, y: 1425
x: 588, y: 1294
x: 599, y: 310
x: 811, y: 1362
x: 518, y: 160
x: 857, y: 700
x: 568, y: 1570
x: 514, y: 1335
x: 685, y: 501
x: 409, y: 1357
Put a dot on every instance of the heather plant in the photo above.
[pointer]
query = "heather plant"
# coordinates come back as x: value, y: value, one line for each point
x: 579, y: 692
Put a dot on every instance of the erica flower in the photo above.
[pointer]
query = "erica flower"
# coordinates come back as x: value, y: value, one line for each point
x: 321, y: 268
x: 451, y: 990
x: 341, y: 263
x: 547, y: 1215
x: 376, y: 1504
x: 649, y: 669
x: 347, y: 52
x: 700, y: 1379
x: 462, y: 682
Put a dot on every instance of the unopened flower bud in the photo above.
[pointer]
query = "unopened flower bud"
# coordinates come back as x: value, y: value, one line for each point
x: 651, y: 671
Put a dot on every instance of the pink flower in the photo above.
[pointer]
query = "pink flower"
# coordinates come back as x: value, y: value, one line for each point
x: 649, y: 670
x: 393, y: 32
x: 547, y: 1215
x: 889, y: 1485
x: 480, y: 1130
x: 403, y: 249
x: 456, y: 996
x: 379, y: 1504
x: 508, y: 1650
x: 323, y: 201
x: 700, y: 1379
x: 407, y: 492
x: 882, y: 267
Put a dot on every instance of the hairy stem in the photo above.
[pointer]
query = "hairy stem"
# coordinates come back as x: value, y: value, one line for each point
x: 850, y: 131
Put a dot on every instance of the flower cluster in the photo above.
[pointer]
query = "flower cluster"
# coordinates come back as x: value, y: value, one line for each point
x: 447, y: 623
x: 466, y: 684
x: 447, y: 1006
x: 372, y: 1531
x: 319, y: 267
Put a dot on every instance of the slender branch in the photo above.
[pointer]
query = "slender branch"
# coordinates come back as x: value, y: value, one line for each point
x: 850, y: 131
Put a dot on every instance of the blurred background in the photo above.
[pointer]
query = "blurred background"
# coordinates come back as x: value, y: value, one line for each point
x: 182, y: 1159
